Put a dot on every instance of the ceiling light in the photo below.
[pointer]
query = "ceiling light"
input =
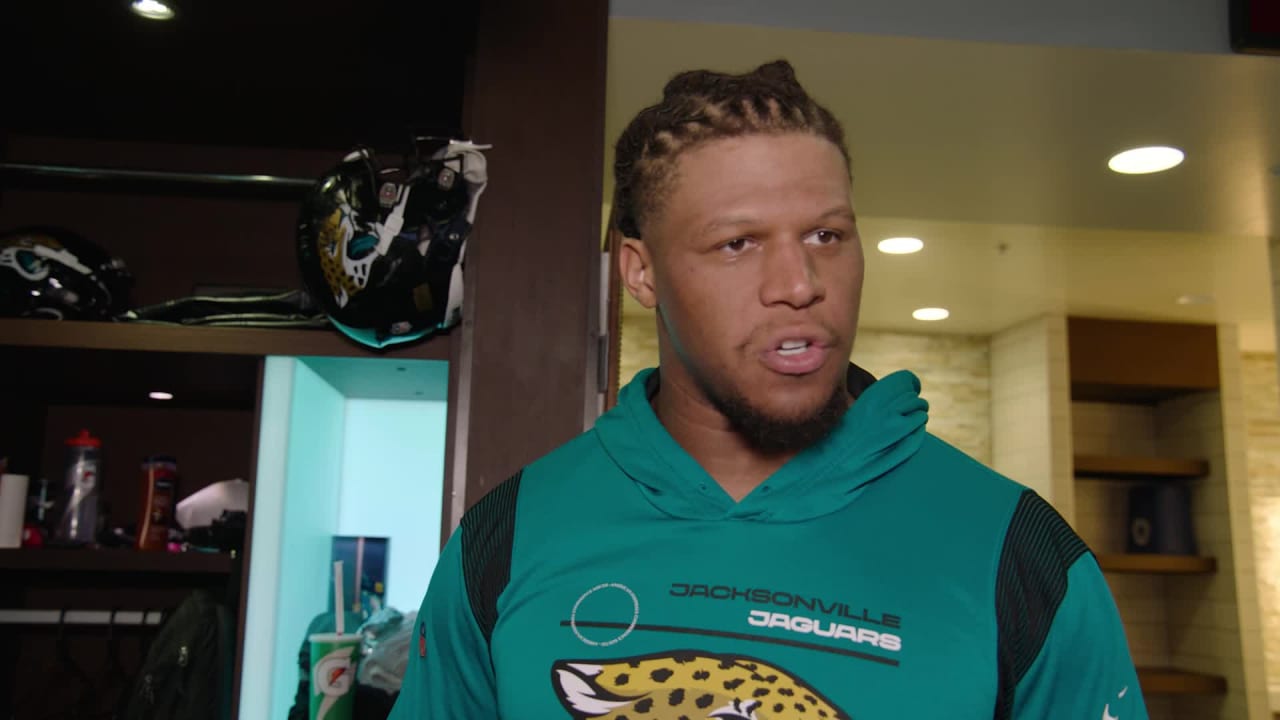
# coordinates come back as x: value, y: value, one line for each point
x: 152, y: 9
x: 900, y: 245
x: 160, y: 395
x: 1142, y: 160
x: 931, y: 314
x: 1195, y: 299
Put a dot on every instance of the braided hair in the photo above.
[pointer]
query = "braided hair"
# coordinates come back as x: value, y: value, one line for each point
x: 700, y: 106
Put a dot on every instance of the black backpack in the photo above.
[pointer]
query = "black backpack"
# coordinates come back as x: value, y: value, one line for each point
x: 188, y: 669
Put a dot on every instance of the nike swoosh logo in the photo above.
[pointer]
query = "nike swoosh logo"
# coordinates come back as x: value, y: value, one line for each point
x: 1106, y: 713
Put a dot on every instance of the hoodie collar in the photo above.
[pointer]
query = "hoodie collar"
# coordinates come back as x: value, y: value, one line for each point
x: 881, y: 429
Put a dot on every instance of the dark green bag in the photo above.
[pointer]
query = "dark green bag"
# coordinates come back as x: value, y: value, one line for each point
x: 188, y: 670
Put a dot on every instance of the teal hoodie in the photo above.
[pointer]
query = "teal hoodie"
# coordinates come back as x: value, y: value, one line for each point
x: 879, y: 574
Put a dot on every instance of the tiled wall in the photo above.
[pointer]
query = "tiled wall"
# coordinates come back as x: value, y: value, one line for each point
x: 1262, y: 420
x: 1190, y: 622
x: 1273, y: 251
x: 1235, y: 445
x: 1030, y: 410
x: 1102, y: 506
x: 954, y: 371
x: 955, y: 377
x: 1102, y: 519
x: 1204, y: 628
x: 1211, y: 622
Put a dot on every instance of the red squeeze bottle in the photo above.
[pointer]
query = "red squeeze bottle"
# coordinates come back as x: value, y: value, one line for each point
x: 159, y: 499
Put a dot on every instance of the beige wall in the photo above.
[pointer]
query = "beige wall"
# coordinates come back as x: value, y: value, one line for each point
x: 955, y: 377
x: 1210, y: 629
x: 1102, y: 519
x: 639, y: 340
x: 1031, y: 415
x: 1199, y: 622
x: 1262, y: 419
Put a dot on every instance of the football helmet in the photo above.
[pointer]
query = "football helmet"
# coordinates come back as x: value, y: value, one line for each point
x: 382, y: 248
x: 52, y: 272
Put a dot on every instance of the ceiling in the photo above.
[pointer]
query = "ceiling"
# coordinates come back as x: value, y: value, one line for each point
x: 280, y: 74
x: 995, y: 154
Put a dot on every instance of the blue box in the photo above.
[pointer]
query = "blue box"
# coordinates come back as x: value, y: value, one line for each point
x: 366, y: 558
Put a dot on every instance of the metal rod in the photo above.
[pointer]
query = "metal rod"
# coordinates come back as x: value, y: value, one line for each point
x: 80, y: 617
x: 68, y: 172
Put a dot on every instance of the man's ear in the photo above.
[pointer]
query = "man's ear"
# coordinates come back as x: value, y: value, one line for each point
x: 635, y: 264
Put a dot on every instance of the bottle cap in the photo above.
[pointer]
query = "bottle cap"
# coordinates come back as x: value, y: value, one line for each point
x: 84, y: 439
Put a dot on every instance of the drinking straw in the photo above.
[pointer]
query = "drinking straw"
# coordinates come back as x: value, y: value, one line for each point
x: 338, y: 607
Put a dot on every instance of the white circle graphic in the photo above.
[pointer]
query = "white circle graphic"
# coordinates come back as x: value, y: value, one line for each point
x: 635, y: 614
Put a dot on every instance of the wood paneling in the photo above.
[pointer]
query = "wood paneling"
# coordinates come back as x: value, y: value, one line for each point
x: 1132, y: 361
x: 536, y: 92
x: 64, y: 376
x: 282, y: 73
x: 523, y: 366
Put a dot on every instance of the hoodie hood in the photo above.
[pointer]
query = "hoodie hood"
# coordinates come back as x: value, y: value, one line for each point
x: 882, y: 429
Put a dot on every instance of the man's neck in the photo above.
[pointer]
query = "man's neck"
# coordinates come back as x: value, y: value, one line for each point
x: 707, y: 436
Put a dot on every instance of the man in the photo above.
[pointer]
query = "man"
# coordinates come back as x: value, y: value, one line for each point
x: 760, y: 529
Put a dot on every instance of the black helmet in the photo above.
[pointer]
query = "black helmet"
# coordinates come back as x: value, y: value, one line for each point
x: 52, y: 272
x: 382, y: 248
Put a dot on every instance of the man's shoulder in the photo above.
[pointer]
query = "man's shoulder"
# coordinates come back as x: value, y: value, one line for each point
x: 949, y: 488
x: 953, y: 470
x: 1035, y: 535
x: 583, y: 452
x: 579, y: 457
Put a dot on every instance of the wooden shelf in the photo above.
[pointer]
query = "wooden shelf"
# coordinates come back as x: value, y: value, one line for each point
x: 1154, y: 563
x: 150, y: 337
x: 1128, y: 361
x: 1168, y: 681
x: 1135, y: 467
x: 61, y: 560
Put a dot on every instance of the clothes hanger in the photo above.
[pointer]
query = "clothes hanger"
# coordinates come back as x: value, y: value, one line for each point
x: 84, y: 699
x: 62, y: 698
x: 32, y: 701
x: 116, y: 683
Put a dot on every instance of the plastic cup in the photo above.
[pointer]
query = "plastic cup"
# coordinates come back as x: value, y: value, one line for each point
x: 333, y: 675
x: 13, y: 507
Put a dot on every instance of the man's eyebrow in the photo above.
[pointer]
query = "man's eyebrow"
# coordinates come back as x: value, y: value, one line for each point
x: 840, y: 213
x: 836, y: 213
x: 726, y: 222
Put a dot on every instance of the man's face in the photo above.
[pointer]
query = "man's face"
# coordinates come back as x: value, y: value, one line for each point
x: 756, y: 272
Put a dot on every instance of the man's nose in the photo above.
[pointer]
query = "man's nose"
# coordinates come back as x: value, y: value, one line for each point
x: 790, y: 277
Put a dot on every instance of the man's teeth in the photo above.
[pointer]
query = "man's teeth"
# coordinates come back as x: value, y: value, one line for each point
x: 793, y: 347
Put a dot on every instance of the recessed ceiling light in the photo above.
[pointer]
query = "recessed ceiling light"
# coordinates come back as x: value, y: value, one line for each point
x: 1142, y: 160
x: 931, y: 314
x: 160, y: 395
x: 152, y: 9
x: 900, y: 245
x: 1195, y: 299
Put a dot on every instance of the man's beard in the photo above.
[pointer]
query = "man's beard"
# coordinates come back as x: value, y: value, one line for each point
x: 774, y: 435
